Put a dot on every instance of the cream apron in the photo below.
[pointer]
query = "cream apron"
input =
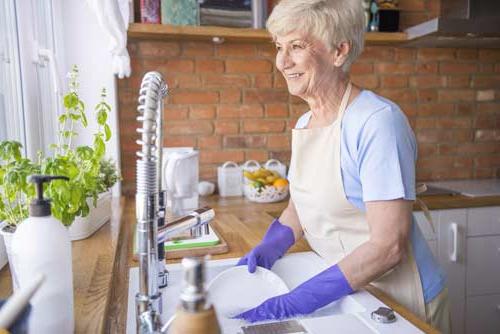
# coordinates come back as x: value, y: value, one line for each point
x: 332, y: 225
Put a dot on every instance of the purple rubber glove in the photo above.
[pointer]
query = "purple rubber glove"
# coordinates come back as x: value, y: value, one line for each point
x: 278, y: 239
x: 319, y: 291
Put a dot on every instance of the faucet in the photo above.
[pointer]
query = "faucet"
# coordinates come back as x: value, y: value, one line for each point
x: 151, y: 229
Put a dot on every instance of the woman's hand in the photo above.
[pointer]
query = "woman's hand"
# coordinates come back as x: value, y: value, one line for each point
x: 280, y: 236
x: 278, y: 239
x: 321, y: 290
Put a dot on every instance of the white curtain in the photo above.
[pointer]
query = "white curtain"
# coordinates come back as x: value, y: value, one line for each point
x: 113, y: 17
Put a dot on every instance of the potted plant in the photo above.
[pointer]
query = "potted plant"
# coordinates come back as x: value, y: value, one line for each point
x: 90, y: 175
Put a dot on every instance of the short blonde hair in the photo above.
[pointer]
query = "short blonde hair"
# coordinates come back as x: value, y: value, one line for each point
x: 331, y: 21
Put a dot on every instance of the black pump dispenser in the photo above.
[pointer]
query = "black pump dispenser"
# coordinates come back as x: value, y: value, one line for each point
x: 40, y: 207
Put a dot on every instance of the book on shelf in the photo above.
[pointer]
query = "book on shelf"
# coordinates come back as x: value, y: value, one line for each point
x: 149, y: 11
x: 234, y: 17
x: 227, y: 4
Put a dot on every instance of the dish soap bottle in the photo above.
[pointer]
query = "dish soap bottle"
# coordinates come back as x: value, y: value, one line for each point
x: 41, y: 245
x: 194, y: 315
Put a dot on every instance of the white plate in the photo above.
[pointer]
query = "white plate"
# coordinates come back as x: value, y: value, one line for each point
x: 236, y: 290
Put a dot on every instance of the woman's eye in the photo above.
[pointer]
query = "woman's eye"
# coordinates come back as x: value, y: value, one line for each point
x: 297, y: 46
x: 278, y: 48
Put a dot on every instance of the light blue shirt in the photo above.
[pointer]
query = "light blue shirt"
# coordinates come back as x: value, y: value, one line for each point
x: 377, y: 158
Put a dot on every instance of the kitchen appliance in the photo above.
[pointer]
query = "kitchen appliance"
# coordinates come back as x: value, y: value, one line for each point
x: 181, y: 175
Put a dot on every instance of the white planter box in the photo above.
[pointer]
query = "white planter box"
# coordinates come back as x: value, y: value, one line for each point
x: 3, y: 251
x: 84, y: 227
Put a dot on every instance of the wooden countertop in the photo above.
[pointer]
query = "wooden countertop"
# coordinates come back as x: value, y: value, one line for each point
x: 101, y: 262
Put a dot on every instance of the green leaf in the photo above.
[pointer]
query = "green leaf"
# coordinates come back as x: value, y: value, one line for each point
x: 102, y: 116
x: 71, y: 101
x: 107, y: 131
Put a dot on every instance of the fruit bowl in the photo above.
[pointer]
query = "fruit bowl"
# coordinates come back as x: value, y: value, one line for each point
x: 265, y: 194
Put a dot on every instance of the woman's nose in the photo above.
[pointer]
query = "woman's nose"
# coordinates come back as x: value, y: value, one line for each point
x: 283, y: 60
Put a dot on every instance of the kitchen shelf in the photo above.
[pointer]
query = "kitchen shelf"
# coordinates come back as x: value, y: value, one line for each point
x: 219, y: 34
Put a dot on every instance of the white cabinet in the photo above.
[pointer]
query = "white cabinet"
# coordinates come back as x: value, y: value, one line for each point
x: 451, y: 255
x: 483, y: 314
x: 468, y: 248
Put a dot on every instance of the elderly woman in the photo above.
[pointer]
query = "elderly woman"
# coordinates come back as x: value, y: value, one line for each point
x: 352, y: 175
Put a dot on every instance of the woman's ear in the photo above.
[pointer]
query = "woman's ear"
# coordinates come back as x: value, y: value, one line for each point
x: 340, y: 53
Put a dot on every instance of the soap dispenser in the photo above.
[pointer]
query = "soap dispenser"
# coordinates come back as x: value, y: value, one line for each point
x: 41, y: 245
x: 194, y: 314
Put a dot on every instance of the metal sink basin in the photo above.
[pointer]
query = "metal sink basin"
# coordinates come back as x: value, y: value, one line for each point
x: 348, y: 315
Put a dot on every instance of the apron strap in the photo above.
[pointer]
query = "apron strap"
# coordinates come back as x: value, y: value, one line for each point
x: 420, y: 188
x: 345, y: 100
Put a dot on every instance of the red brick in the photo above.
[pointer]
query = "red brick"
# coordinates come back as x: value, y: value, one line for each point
x: 436, y: 162
x: 433, y: 136
x: 486, y: 68
x: 458, y: 81
x: 197, y: 49
x: 426, y: 68
x: 448, y: 123
x: 226, y: 80
x: 208, y: 173
x: 194, y: 97
x: 209, y: 66
x: 447, y: 95
x: 230, y: 95
x: 176, y: 141
x: 452, y: 68
x: 404, y: 55
x: 425, y: 123
x: 477, y: 148
x: 158, y: 49
x: 426, y: 150
x: 244, y: 141
x: 209, y: 142
x: 394, y: 81
x: 487, y: 135
x: 427, y: 81
x: 263, y: 81
x: 283, y: 156
x: 257, y: 155
x: 377, y: 52
x: 248, y: 66
x: 361, y: 68
x: 465, y: 109
x: 240, y: 111
x: 277, y: 110
x: 365, y: 81
x: 265, y: 96
x: 483, y: 81
x: 436, y: 54
x: 185, y: 80
x: 263, y: 126
x: 266, y: 50
x: 410, y: 109
x: 219, y: 157
x: 202, y: 112
x: 189, y: 128
x: 278, y: 141
x: 155, y: 64
x: 394, y: 68
x: 467, y: 54
x: 489, y: 55
x: 174, y: 112
x: 236, y: 50
x: 462, y: 135
x: 180, y: 65
x: 488, y: 107
x: 226, y: 127
x: 427, y: 95
x: 399, y: 95
x: 484, y: 173
x: 487, y: 161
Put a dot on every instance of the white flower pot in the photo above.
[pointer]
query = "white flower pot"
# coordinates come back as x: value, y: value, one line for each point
x: 84, y: 227
x: 3, y: 252
x: 7, y: 241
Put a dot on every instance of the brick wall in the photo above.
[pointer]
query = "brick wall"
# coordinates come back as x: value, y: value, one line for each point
x: 229, y: 102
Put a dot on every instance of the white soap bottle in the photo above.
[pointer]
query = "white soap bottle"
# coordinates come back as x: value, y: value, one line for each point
x: 41, y: 245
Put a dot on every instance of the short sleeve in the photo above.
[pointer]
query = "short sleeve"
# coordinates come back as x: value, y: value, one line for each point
x: 387, y: 157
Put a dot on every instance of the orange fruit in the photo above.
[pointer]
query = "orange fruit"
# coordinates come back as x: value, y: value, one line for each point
x: 280, y: 183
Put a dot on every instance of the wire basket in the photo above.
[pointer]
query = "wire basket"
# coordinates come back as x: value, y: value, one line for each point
x: 265, y: 194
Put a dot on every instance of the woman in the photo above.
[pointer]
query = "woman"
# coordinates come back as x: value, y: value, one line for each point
x: 352, y: 175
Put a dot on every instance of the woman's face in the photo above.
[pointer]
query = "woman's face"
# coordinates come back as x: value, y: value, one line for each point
x: 306, y: 64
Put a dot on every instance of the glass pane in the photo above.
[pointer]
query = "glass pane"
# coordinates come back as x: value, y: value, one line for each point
x: 11, y: 106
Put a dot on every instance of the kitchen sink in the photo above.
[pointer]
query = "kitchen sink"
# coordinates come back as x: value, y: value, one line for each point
x: 351, y: 314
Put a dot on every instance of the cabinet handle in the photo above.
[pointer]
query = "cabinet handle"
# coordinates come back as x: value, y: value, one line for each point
x: 454, y: 242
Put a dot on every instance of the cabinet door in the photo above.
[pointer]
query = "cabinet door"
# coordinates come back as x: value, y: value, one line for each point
x: 483, y: 315
x: 483, y: 266
x: 483, y: 221
x: 451, y: 256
